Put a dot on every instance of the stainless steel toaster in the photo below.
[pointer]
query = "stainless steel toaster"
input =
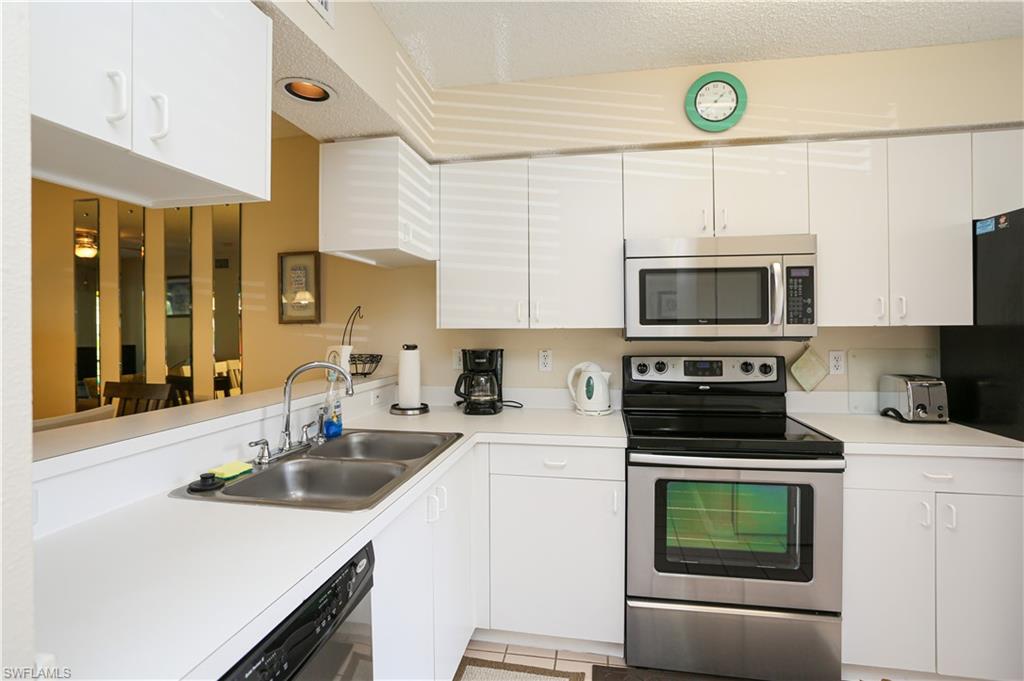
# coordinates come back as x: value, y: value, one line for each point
x: 912, y: 397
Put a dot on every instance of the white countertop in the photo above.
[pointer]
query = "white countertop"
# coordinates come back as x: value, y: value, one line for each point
x: 172, y: 588
x: 875, y: 434
x: 154, y: 589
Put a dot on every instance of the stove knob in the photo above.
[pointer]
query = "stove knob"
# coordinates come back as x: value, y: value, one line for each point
x: 660, y: 366
x: 642, y: 368
x: 766, y: 369
x: 747, y: 367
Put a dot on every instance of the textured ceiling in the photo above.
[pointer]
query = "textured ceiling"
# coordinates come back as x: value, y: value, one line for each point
x: 462, y: 43
x: 352, y: 113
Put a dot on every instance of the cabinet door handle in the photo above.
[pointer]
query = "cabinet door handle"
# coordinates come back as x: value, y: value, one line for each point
x: 725, y: 218
x: 951, y: 525
x: 536, y: 311
x: 443, y: 496
x: 938, y: 476
x: 163, y: 106
x: 121, y: 90
x: 615, y: 501
x: 555, y: 464
x: 881, y: 307
x: 433, y: 508
x: 903, y: 306
x: 703, y: 219
x: 927, y: 522
x: 519, y: 310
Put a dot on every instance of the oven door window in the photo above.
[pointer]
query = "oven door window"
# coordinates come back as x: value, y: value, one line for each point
x: 727, y: 295
x: 734, y: 529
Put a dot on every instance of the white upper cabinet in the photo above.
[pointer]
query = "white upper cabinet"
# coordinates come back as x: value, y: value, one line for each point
x: 202, y: 102
x: 761, y: 189
x: 81, y: 75
x: 576, y: 241
x: 980, y: 607
x: 668, y: 194
x: 998, y: 172
x: 849, y: 214
x: 378, y: 202
x: 931, y: 278
x: 483, y: 271
x: 121, y: 109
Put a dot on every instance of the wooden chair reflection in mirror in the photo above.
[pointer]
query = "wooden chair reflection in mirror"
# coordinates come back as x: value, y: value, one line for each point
x: 136, y: 398
x: 181, y: 390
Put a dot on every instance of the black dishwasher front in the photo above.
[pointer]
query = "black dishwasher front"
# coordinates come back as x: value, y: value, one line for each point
x: 327, y: 637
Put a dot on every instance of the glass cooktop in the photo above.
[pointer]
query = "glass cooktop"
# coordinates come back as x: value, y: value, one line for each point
x: 768, y: 434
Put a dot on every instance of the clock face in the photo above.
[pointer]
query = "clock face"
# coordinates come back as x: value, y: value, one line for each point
x: 716, y: 101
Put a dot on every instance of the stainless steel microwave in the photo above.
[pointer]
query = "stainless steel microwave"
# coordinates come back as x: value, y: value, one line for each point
x: 721, y: 287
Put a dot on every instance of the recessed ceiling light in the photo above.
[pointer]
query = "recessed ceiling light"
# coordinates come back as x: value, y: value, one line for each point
x: 306, y: 89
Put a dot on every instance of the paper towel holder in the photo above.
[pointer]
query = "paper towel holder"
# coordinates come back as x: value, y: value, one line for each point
x: 410, y: 411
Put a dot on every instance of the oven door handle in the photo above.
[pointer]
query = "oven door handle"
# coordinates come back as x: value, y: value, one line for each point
x: 779, y: 291
x: 725, y: 462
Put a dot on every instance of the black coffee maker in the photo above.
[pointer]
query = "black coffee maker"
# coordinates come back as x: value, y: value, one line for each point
x: 479, y: 385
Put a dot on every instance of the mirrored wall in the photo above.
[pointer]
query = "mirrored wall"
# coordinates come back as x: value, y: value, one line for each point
x: 87, y: 303
x: 227, y: 300
x: 131, y: 234
x: 178, y: 302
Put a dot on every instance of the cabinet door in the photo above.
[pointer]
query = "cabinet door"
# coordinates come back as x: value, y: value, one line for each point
x: 417, y: 204
x: 998, y: 172
x: 576, y: 242
x: 849, y: 213
x: 403, y: 596
x: 454, y: 614
x: 930, y: 268
x: 761, y: 189
x: 82, y: 67
x: 667, y: 194
x: 557, y: 557
x: 980, y: 604
x: 889, y: 579
x: 201, y: 90
x: 483, y: 276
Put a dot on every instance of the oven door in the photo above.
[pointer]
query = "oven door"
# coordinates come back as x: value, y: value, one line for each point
x: 722, y: 296
x: 756, y: 532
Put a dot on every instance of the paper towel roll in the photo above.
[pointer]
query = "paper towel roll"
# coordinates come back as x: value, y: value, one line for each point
x: 409, y: 377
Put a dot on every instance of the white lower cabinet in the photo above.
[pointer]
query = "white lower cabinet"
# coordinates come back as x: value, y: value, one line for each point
x: 979, y: 586
x: 889, y: 579
x: 932, y: 577
x: 557, y: 556
x: 422, y: 594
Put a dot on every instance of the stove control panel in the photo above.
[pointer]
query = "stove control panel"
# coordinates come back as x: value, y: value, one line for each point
x: 704, y: 369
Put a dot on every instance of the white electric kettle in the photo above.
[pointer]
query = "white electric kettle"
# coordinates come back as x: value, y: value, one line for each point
x: 588, y: 386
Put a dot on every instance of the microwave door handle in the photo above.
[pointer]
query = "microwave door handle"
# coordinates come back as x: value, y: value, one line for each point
x: 779, y: 291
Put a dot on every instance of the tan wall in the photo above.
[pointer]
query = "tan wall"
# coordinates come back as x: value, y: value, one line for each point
x: 830, y: 95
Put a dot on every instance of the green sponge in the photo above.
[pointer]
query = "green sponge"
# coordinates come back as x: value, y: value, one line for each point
x: 232, y: 469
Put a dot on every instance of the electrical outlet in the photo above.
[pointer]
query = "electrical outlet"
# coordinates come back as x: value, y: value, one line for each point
x: 376, y: 397
x: 837, y: 362
x: 457, y: 360
x: 545, y: 360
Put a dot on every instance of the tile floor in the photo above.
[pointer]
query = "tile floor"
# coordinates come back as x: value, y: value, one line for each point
x: 562, y: 660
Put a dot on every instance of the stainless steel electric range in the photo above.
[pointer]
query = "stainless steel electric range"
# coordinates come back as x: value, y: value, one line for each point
x: 734, y: 522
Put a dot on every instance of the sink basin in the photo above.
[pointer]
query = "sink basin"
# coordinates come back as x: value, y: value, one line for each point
x: 350, y: 473
x: 319, y: 482
x: 381, y: 445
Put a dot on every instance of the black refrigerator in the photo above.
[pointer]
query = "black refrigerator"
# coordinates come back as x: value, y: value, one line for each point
x: 983, y: 365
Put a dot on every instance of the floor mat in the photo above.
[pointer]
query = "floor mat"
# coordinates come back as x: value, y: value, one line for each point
x: 473, y: 669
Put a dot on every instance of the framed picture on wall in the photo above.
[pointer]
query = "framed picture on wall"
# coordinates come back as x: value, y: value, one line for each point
x: 298, y: 283
x: 179, y: 297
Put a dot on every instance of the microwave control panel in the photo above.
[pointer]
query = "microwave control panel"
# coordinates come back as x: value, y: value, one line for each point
x: 800, y: 295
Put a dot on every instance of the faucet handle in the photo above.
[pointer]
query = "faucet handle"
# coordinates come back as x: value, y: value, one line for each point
x: 305, y: 431
x: 263, y: 455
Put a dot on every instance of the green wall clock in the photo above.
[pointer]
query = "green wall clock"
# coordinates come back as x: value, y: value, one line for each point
x: 716, y: 101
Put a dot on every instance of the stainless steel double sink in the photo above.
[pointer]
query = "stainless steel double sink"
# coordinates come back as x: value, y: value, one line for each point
x: 349, y: 473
